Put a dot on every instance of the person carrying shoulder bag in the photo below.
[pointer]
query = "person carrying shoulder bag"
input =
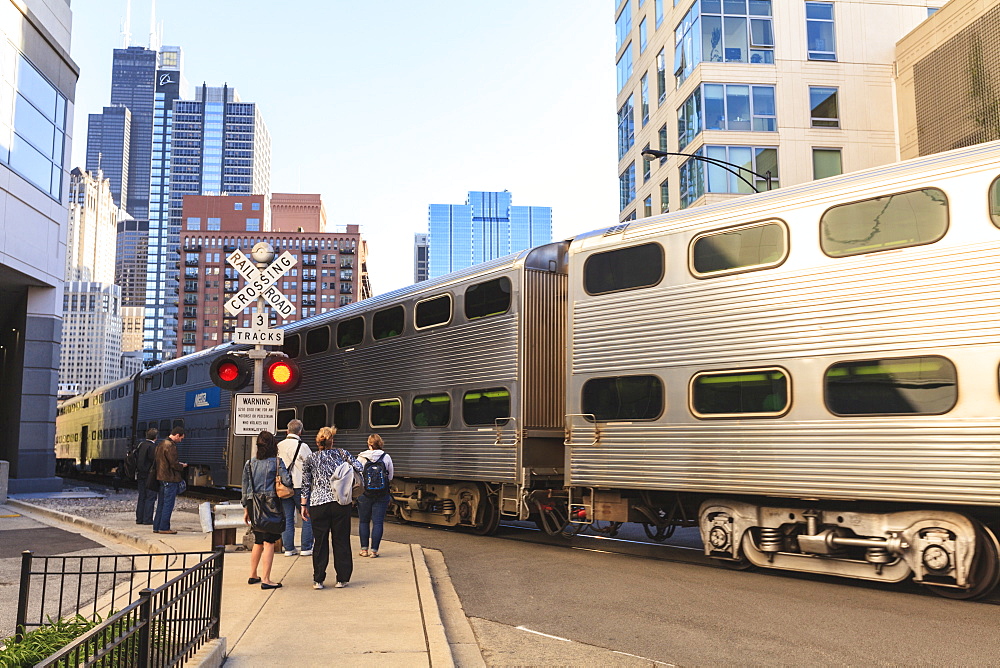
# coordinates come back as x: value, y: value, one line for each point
x: 262, y: 508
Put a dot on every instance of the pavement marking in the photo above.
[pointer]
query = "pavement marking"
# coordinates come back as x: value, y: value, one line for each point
x: 644, y: 658
x: 539, y: 633
x: 14, y: 515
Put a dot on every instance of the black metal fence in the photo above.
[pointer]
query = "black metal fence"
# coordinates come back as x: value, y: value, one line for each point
x: 154, y: 614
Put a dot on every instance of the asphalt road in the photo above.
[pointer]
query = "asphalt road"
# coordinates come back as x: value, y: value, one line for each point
x: 691, y: 614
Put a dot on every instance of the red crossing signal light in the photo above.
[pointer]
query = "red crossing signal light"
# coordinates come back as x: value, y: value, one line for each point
x: 282, y: 375
x: 231, y: 372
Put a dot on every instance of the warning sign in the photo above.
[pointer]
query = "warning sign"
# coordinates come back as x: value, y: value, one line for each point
x: 254, y: 413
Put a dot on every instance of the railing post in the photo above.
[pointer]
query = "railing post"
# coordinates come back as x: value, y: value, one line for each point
x: 146, y: 626
x: 220, y: 555
x: 24, y: 589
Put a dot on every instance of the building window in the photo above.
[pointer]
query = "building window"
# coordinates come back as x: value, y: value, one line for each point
x: 756, y: 246
x: 214, y: 224
x: 661, y: 77
x: 647, y: 207
x: 884, y: 223
x: 626, y: 184
x: 658, y: 8
x: 193, y: 224
x: 665, y: 197
x: 642, y: 35
x: 730, y: 32
x: 237, y: 206
x: 826, y: 162
x: 626, y: 128
x: 623, y: 398
x: 819, y: 31
x: 761, y: 392
x: 900, y: 386
x: 733, y: 107
x: 825, y: 112
x: 253, y: 224
x: 698, y: 177
x: 255, y: 206
x: 623, y: 25
x: 644, y: 98
x: 623, y: 269
x: 624, y: 67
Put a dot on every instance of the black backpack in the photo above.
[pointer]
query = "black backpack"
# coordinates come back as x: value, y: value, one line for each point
x: 376, y: 478
x: 130, y: 466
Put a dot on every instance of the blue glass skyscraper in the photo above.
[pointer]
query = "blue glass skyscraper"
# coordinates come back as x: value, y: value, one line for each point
x: 487, y: 226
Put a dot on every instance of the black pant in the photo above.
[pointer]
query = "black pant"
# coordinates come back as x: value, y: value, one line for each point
x: 333, y: 520
x: 147, y: 501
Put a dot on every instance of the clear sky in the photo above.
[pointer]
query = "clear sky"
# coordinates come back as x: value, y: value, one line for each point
x: 386, y: 107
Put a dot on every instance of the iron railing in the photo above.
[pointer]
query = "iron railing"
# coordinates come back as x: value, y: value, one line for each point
x: 154, y: 614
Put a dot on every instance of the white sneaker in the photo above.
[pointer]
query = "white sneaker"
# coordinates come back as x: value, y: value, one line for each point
x: 291, y: 553
x: 306, y: 553
x: 340, y: 585
x: 318, y: 585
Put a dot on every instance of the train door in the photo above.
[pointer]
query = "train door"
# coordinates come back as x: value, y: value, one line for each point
x: 240, y: 449
x: 84, y: 433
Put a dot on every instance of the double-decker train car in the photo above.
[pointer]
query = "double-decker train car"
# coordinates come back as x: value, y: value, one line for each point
x: 809, y: 375
x: 95, y: 429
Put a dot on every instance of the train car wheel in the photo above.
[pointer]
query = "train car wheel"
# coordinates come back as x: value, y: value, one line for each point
x: 985, y: 570
x: 742, y: 564
x: 489, y: 517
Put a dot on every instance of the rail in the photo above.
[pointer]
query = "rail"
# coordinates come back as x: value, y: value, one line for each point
x: 152, y: 617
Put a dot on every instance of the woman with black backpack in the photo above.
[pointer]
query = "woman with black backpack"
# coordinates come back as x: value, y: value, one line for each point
x: 376, y: 473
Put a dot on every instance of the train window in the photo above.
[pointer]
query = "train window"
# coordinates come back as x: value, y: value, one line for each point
x: 489, y: 298
x: 314, y: 417
x: 385, y: 413
x: 347, y: 415
x: 317, y: 340
x: 168, y: 378
x: 178, y: 422
x: 433, y: 312
x: 182, y: 375
x: 164, y: 428
x: 121, y: 391
x: 387, y: 323
x: 757, y: 246
x: 899, y: 386
x: 623, y: 398
x: 740, y: 393
x: 431, y: 410
x: 995, y: 202
x: 285, y: 416
x: 140, y: 429
x: 884, y: 223
x: 486, y: 406
x: 350, y: 332
x: 292, y: 345
x: 155, y: 381
x: 623, y: 269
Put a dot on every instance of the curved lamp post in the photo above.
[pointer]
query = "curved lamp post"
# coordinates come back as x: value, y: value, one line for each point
x: 735, y: 170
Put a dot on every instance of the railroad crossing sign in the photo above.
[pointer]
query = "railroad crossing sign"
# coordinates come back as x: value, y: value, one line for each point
x: 260, y: 283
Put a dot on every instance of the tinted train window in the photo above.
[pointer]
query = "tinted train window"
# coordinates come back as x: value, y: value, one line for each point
x: 285, y: 416
x: 155, y: 382
x: 350, y: 332
x: 182, y: 375
x: 140, y: 429
x: 292, y: 345
x: 385, y: 413
x: 178, y: 422
x: 623, y: 269
x: 994, y: 198
x: 883, y: 223
x: 489, y: 298
x: 433, y: 311
x: 623, y: 398
x: 313, y: 417
x: 168, y: 378
x: 486, y: 406
x: 901, y: 386
x: 739, y: 249
x: 431, y: 410
x: 347, y: 415
x: 729, y: 393
x: 317, y: 340
x: 121, y: 391
x: 388, y: 323
x: 164, y: 429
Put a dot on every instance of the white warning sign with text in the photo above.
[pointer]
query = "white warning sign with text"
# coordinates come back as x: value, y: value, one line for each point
x: 254, y: 413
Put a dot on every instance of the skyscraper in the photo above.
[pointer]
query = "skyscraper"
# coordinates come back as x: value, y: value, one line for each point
x: 420, y: 257
x: 487, y: 226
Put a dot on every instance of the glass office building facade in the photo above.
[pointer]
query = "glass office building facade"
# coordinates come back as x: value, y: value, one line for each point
x: 487, y: 226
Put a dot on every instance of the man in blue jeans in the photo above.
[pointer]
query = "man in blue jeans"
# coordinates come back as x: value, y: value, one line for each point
x: 170, y: 474
x: 293, y: 453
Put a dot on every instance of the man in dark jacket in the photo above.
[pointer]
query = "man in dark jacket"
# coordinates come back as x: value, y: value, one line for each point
x: 143, y: 463
x: 170, y: 473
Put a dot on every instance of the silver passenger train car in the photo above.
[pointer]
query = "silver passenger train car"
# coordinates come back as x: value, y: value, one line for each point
x: 809, y: 375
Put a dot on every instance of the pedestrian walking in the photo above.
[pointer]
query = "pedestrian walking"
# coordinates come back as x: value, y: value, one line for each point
x: 144, y: 461
x: 294, y: 453
x: 261, y: 508
x: 170, y: 475
x: 376, y: 472
x: 331, y: 521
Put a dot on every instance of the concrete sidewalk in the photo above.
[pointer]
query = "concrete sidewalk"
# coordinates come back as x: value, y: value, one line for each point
x: 389, y: 615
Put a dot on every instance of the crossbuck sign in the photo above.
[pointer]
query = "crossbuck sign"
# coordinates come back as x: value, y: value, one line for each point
x: 261, y: 283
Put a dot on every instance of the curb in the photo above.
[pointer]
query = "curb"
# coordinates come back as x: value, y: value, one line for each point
x: 438, y: 648
x: 120, y: 536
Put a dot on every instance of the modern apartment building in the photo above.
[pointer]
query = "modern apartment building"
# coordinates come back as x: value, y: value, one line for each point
x: 802, y: 90
x: 38, y: 84
x: 420, y: 248
x: 487, y: 226
x: 331, y: 268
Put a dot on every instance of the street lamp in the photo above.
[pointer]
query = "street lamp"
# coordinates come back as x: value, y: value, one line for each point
x: 652, y: 154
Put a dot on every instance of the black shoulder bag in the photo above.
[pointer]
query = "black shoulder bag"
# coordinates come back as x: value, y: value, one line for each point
x: 266, y: 514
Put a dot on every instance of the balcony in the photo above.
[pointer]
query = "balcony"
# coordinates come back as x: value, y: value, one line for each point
x: 347, y: 275
x: 310, y: 249
x: 188, y: 339
x: 191, y: 299
x: 192, y: 248
x: 228, y: 328
x: 229, y: 249
x: 311, y: 262
x: 190, y: 263
x: 190, y: 328
x: 308, y: 291
x: 346, y: 289
x: 190, y: 313
x: 191, y: 287
x: 230, y: 288
x: 308, y: 302
x: 347, y: 251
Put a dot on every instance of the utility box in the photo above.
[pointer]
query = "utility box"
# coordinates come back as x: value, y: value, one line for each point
x: 226, y: 519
